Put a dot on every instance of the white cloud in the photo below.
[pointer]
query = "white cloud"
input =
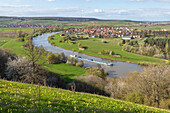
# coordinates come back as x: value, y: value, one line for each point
x: 98, y: 10
x: 151, y: 0
x: 148, y: 14
x: 14, y: 6
x: 88, y: 0
x: 132, y: 14
x: 51, y: 0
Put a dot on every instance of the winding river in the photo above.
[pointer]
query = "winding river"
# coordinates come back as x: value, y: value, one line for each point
x: 118, y: 69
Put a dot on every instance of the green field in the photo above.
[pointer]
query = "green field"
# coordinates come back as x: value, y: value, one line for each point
x: 55, y: 22
x: 66, y: 71
x: 9, y: 21
x: 94, y: 46
x: 20, y: 97
x: 154, y: 28
x: 4, y: 40
x: 14, y: 30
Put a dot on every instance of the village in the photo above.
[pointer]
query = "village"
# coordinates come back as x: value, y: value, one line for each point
x: 110, y: 32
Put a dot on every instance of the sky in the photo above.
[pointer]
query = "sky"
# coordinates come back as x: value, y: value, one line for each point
x: 139, y: 10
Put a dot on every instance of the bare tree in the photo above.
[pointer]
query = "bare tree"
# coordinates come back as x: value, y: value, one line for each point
x: 20, y: 69
x: 33, y: 54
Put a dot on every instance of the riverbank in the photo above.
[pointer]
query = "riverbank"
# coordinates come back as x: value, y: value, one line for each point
x: 119, y: 69
x: 94, y: 46
x: 68, y: 72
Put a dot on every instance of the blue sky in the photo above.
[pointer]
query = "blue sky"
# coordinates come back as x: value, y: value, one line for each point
x: 141, y: 10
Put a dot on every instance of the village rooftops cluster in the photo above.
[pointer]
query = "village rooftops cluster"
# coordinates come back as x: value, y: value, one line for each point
x: 105, y: 32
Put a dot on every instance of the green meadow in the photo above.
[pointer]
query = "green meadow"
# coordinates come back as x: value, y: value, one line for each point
x: 24, y: 98
x: 9, y: 21
x: 4, y: 40
x: 155, y: 28
x: 68, y: 72
x: 95, y: 45
x: 7, y: 30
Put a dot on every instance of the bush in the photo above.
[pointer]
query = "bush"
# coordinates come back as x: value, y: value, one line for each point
x: 20, y: 39
x: 96, y: 71
x: 19, y: 69
x: 62, y: 57
x: 135, y: 97
x: 91, y: 84
x: 71, y: 60
x: 123, y: 41
x: 51, y: 58
x: 4, y: 56
x: 107, y: 52
x: 112, y: 53
x: 80, y: 64
x: 159, y: 56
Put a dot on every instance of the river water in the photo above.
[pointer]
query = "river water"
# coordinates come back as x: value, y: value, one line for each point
x: 119, y: 69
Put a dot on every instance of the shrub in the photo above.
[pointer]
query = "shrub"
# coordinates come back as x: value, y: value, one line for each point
x: 159, y: 56
x: 80, y: 64
x: 123, y: 41
x: 4, y: 56
x: 135, y: 97
x: 71, y: 60
x: 62, y: 57
x: 96, y: 71
x: 105, y: 52
x: 91, y: 84
x: 51, y: 58
x: 19, y: 69
x: 112, y: 53
x: 20, y: 39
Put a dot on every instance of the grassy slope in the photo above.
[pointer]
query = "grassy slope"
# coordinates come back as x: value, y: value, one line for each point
x: 95, y: 46
x: 65, y: 71
x: 19, y: 97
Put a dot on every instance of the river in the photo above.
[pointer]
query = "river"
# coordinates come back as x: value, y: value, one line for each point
x: 119, y: 69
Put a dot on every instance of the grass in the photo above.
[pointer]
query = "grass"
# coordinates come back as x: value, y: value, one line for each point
x: 4, y: 40
x: 94, y: 46
x: 154, y: 28
x: 14, y: 30
x: 55, y: 22
x: 68, y: 72
x: 20, y: 97
x: 9, y: 21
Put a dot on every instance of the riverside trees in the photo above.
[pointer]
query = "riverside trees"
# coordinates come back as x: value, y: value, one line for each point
x: 150, y: 87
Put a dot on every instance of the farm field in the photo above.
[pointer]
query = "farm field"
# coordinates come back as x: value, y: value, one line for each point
x: 3, y: 40
x: 9, y: 21
x: 65, y: 71
x: 14, y: 30
x: 54, y: 22
x: 20, y: 97
x: 94, y: 46
x: 155, y: 28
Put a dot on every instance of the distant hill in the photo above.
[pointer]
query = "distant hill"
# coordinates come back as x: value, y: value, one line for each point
x: 54, y: 18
